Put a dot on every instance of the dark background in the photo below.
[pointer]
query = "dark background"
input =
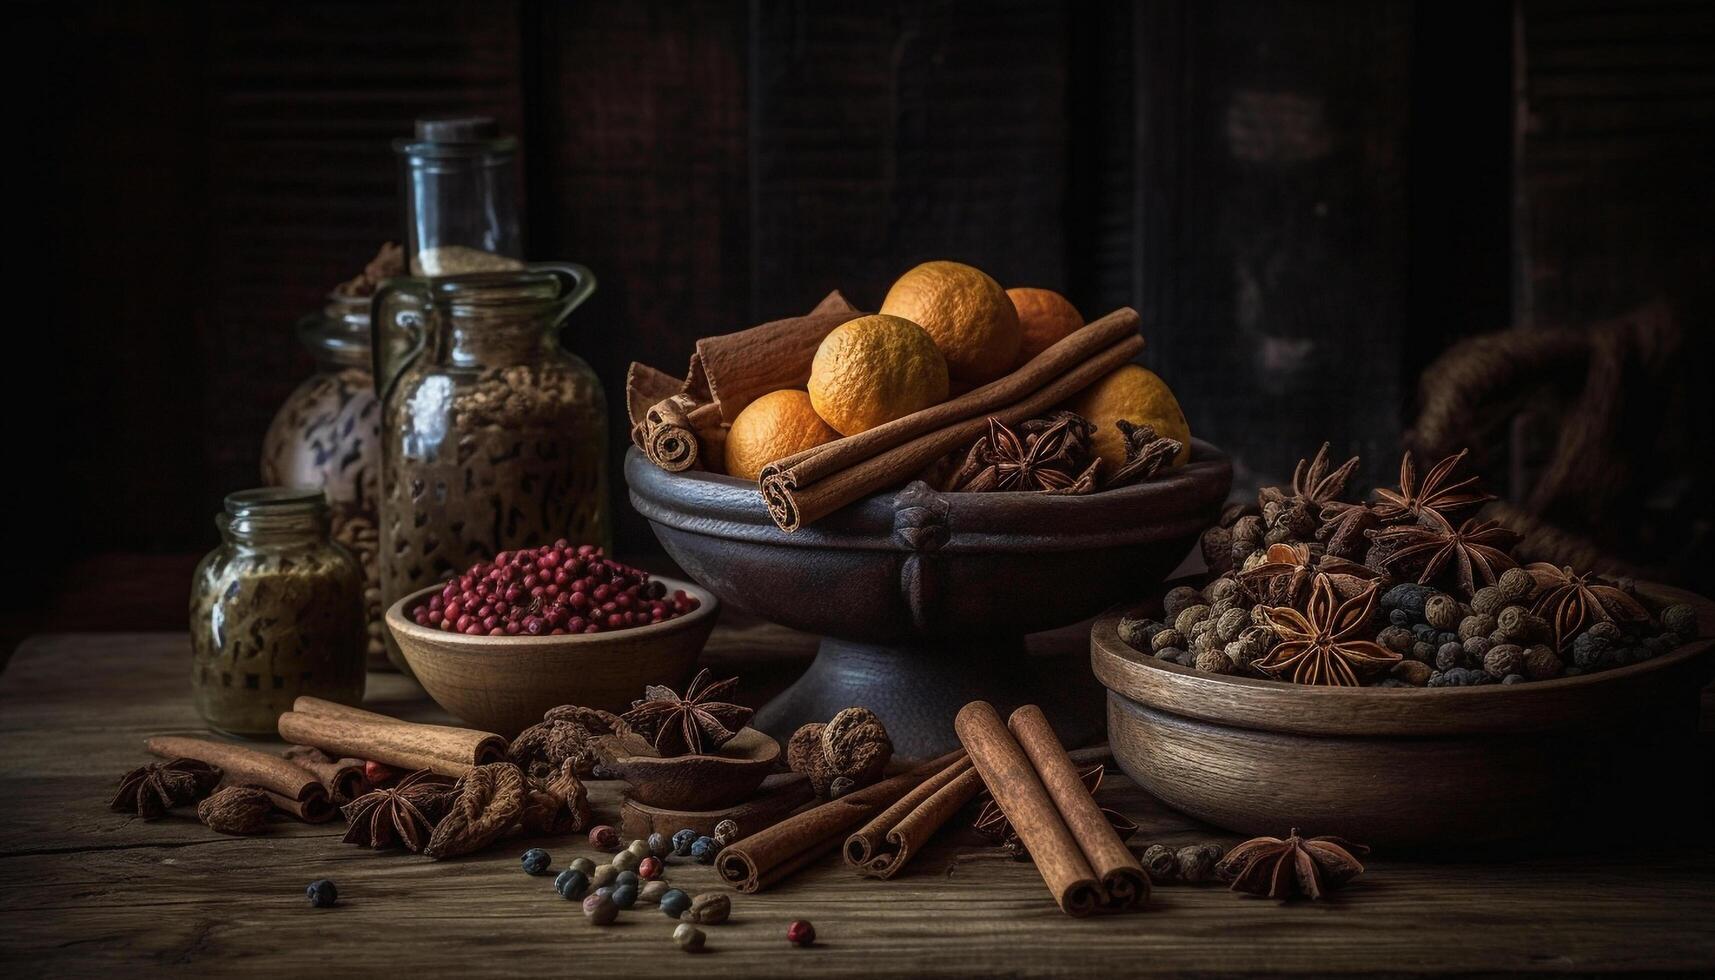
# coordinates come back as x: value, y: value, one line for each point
x: 1308, y: 202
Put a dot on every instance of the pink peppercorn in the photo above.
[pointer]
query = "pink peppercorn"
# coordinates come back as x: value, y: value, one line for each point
x: 801, y: 933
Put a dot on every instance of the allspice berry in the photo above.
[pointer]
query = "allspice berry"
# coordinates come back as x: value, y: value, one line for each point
x: 1166, y: 638
x: 1680, y: 622
x: 1135, y: 632
x: 1487, y: 601
x: 1476, y: 624
x: 1230, y: 624
x: 1442, y: 611
x: 1179, y: 599
x: 1515, y: 585
x: 1504, y: 659
x: 1222, y: 589
x: 1413, y: 672
x: 1541, y: 663
x: 1214, y: 662
x: 1161, y: 863
x: 1189, y: 617
x: 1196, y: 865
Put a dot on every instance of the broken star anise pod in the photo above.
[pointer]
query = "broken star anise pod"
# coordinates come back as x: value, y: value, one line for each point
x: 1284, y: 576
x: 1326, y: 643
x: 1146, y: 453
x: 992, y: 823
x: 1050, y: 455
x: 1314, y: 484
x: 568, y: 732
x: 1307, y: 866
x: 1574, y: 602
x: 1475, y: 551
x: 1433, y: 497
x: 150, y: 791
x: 696, y: 724
x: 403, y: 814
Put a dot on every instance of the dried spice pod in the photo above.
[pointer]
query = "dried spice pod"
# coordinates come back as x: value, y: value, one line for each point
x: 566, y: 733
x: 150, y: 791
x: 695, y: 723
x: 557, y: 805
x: 853, y: 747
x: 1282, y: 869
x: 403, y: 815
x: 490, y: 800
x: 236, y: 810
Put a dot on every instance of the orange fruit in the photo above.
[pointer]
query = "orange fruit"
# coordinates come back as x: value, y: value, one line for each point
x: 1139, y: 396
x: 1046, y: 318
x: 773, y: 427
x: 966, y: 312
x: 875, y: 369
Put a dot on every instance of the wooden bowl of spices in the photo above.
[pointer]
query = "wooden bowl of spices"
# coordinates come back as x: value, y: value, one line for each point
x: 699, y: 781
x: 1448, y: 770
x: 503, y: 684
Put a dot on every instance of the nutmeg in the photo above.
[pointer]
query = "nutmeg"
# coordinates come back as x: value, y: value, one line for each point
x: 236, y: 810
x: 854, y: 745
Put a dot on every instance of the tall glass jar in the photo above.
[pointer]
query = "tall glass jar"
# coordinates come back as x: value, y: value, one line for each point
x: 327, y: 434
x: 492, y: 435
x: 459, y: 180
x: 276, y: 612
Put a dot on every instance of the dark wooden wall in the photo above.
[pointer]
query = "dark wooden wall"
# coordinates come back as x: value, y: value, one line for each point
x: 1307, y: 201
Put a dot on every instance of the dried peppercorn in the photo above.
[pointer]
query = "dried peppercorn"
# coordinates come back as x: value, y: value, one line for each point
x: 1449, y: 656
x: 649, y: 868
x: 321, y: 893
x: 536, y: 861
x: 1413, y: 672
x: 1196, y: 864
x: 1178, y: 599
x: 652, y: 891
x: 604, y: 876
x: 1476, y: 625
x: 682, y: 841
x: 604, y: 837
x: 1396, y: 638
x: 673, y: 902
x: 625, y: 861
x: 1515, y: 585
x: 1190, y: 616
x: 624, y: 896
x: 1442, y: 611
x: 689, y: 937
x: 600, y: 910
x: 1487, y: 601
x: 1214, y: 662
x: 801, y: 933
x: 1503, y: 660
x: 1160, y: 862
x: 704, y: 850
x: 582, y: 864
x: 1541, y: 663
x: 572, y: 884
x: 660, y: 845
x: 726, y: 832
x: 1166, y: 638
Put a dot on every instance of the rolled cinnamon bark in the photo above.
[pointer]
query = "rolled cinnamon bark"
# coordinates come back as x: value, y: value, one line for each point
x: 884, y: 845
x: 766, y: 857
x: 806, y: 486
x: 342, y: 777
x: 1011, y: 778
x: 1123, y: 880
x: 669, y: 435
x: 340, y: 730
x: 293, y: 788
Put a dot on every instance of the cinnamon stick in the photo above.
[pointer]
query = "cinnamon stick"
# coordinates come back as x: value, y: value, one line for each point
x: 342, y: 777
x: 679, y: 425
x: 806, y: 486
x: 1013, y: 781
x: 880, y: 848
x: 767, y: 857
x: 340, y: 730
x: 293, y: 788
x: 1124, y: 883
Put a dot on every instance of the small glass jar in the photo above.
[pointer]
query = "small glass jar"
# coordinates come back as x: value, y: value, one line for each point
x: 327, y: 434
x: 276, y: 612
x: 459, y: 178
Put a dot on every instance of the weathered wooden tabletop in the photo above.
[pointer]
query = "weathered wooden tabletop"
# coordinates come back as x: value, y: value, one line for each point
x: 86, y: 890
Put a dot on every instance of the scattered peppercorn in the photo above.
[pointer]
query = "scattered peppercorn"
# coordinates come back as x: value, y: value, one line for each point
x: 1515, y: 585
x: 1487, y: 601
x: 1160, y: 862
x: 624, y: 896
x: 682, y: 841
x: 1196, y: 864
x: 660, y: 845
x: 674, y: 902
x: 604, y: 837
x: 1442, y: 611
x: 625, y: 861
x: 1540, y: 663
x: 708, y: 909
x: 536, y: 861
x: 838, y: 787
x: 1178, y: 599
x: 649, y: 868
x: 600, y: 910
x: 321, y: 893
x: 582, y: 864
x: 705, y: 849
x: 624, y: 878
x: 801, y: 933
x: 726, y: 832
x: 1680, y: 621
x: 652, y: 891
x: 689, y: 937
x: 572, y: 884
x: 604, y: 876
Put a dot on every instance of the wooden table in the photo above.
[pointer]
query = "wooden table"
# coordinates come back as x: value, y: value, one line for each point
x: 85, y: 890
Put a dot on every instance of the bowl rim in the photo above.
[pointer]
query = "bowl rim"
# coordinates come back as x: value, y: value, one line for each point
x: 401, y: 625
x: 1282, y: 706
x: 1186, y: 499
x: 763, y: 740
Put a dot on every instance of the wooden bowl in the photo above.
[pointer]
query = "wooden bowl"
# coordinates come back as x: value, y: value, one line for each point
x: 922, y: 597
x: 1571, y: 760
x: 701, y: 782
x: 503, y: 684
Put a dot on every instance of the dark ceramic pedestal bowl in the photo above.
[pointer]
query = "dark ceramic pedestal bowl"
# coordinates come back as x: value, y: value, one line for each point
x: 924, y: 598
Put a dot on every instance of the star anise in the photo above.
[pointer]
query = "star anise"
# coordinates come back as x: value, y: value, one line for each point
x: 696, y: 724
x: 1313, y: 483
x: 1275, y: 868
x: 1145, y: 454
x: 1041, y: 455
x: 1412, y: 501
x: 1345, y: 528
x: 993, y: 824
x: 1325, y: 643
x: 1573, y: 602
x: 150, y: 791
x: 1284, y: 577
x: 403, y: 814
x: 1476, y: 550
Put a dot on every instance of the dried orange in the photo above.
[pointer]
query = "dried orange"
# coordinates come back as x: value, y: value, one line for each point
x: 875, y: 369
x: 773, y: 427
x: 966, y: 312
x: 1139, y: 396
x: 1046, y: 318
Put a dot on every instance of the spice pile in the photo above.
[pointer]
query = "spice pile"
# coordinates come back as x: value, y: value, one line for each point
x: 553, y: 590
x: 1406, y: 590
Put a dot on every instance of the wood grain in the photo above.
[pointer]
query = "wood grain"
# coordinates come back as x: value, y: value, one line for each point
x: 86, y: 890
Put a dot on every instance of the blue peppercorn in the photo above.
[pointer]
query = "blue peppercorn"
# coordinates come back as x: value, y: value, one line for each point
x: 674, y: 902
x: 1590, y: 651
x: 682, y: 842
x: 572, y: 884
x: 604, y: 891
x: 1449, y: 656
x: 1425, y: 633
x: 625, y: 896
x: 705, y: 849
x: 321, y: 893
x: 624, y: 878
x: 660, y: 845
x: 536, y: 861
x: 1398, y: 617
x: 1445, y: 637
